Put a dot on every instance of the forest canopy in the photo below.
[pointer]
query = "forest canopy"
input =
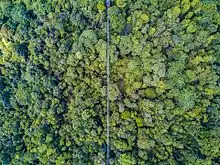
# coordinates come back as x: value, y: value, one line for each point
x: 164, y: 86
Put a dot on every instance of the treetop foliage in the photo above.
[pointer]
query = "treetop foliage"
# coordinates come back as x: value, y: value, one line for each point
x: 164, y: 92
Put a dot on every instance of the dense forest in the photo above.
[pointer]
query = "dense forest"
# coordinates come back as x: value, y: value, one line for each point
x: 164, y: 86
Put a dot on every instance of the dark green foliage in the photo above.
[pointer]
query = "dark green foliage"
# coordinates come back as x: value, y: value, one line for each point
x: 164, y: 92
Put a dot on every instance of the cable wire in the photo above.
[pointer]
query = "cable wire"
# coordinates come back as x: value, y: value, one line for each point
x: 107, y: 84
